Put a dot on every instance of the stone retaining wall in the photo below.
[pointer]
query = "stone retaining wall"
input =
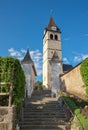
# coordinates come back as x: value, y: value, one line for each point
x: 72, y: 82
x: 8, y: 118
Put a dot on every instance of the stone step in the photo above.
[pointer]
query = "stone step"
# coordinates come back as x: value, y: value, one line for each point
x: 43, y: 105
x: 40, y: 108
x: 49, y: 122
x: 42, y: 112
x: 41, y: 92
x: 43, y: 127
x: 43, y: 115
x: 45, y: 119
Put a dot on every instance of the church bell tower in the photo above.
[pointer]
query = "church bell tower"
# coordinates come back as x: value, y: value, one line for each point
x: 51, y: 45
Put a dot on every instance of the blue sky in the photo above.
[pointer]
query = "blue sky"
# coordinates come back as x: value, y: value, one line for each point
x: 22, y: 23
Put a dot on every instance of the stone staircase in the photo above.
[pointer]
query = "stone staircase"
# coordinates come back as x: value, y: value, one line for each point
x: 42, y: 112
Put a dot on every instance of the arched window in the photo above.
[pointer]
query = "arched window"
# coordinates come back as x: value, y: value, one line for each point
x: 56, y: 37
x: 51, y: 36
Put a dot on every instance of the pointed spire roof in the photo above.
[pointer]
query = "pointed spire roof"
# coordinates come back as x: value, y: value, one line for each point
x: 55, y: 57
x: 27, y: 58
x: 52, y: 24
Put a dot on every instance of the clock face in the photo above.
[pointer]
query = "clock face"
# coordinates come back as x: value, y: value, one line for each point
x: 53, y: 28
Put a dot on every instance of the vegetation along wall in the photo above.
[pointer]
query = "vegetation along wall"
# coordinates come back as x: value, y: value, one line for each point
x: 11, y: 72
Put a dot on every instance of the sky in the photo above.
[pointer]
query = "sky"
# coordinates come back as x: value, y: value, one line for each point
x: 22, y: 23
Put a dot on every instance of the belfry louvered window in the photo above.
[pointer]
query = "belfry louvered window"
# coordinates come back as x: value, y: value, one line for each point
x: 51, y: 36
x: 56, y: 37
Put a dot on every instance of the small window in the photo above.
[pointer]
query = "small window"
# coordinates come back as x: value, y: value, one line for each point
x: 51, y: 36
x: 56, y: 37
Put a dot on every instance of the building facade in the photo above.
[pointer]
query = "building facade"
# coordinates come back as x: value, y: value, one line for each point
x: 30, y: 74
x: 51, y: 45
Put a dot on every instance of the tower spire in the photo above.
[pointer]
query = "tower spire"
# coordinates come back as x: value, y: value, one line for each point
x: 52, y: 24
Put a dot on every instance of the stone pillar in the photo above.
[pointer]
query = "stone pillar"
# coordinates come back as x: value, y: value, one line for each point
x: 12, y: 118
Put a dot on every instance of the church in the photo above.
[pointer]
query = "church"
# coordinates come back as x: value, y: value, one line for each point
x: 56, y: 75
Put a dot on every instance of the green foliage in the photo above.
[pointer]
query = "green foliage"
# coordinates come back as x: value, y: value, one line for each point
x: 77, y: 111
x: 11, y: 71
x: 84, y: 74
x: 71, y: 104
x: 84, y: 71
x: 82, y: 120
x: 39, y: 85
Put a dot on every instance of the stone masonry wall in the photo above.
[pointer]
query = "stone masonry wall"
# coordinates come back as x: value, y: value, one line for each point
x: 73, y: 83
x: 7, y: 118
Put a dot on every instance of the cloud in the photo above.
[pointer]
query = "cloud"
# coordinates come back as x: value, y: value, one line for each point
x: 86, y: 34
x: 84, y: 56
x: 67, y: 39
x: 23, y: 50
x: 14, y: 53
x: 77, y: 59
x: 65, y: 60
x: 36, y: 56
x: 80, y: 57
x: 11, y: 50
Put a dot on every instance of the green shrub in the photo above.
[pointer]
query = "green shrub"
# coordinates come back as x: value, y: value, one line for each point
x: 84, y: 74
x: 70, y: 103
x: 77, y: 111
x: 11, y: 71
x: 82, y: 120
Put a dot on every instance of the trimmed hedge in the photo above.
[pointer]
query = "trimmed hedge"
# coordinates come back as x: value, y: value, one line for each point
x: 10, y: 70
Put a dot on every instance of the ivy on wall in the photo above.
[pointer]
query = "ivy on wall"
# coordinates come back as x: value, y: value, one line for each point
x: 11, y: 71
x: 84, y: 74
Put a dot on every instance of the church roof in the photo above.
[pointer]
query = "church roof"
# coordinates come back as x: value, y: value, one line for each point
x: 67, y: 67
x: 55, y: 57
x: 27, y: 58
x: 52, y: 23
